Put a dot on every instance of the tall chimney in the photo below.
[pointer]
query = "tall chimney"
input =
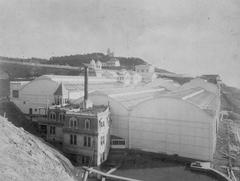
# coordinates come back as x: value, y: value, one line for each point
x: 85, y: 83
x: 86, y: 103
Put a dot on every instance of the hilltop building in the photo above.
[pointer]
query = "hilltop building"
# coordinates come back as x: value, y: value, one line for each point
x: 147, y: 72
x: 83, y: 129
x: 128, y: 77
x: 113, y: 62
x: 123, y: 77
x: 110, y: 53
x: 95, y: 65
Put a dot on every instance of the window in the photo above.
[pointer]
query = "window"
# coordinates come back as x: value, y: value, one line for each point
x: 61, y: 117
x: 35, y: 110
x: 73, y: 139
x: 15, y: 93
x: 87, y: 141
x: 101, y: 123
x: 102, y: 140
x: 85, y: 159
x: 73, y: 122
x: 87, y: 124
x: 118, y: 142
x: 52, y: 115
x: 52, y: 130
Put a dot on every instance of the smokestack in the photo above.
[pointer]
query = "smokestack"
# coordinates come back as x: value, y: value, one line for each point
x: 85, y: 83
x: 86, y: 103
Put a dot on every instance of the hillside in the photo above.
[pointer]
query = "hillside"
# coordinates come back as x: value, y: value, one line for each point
x: 26, y: 157
x: 78, y: 60
x: 31, y: 71
x: 228, y: 142
x: 30, y: 60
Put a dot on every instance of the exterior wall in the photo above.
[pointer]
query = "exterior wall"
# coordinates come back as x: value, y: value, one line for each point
x: 34, y: 95
x: 119, y: 115
x: 99, y: 127
x: 144, y: 69
x: 147, y: 72
x: 172, y: 126
x: 111, y: 63
x: 58, y: 136
x: 103, y: 131
x: 110, y: 74
x: 4, y: 88
x: 16, y: 85
x: 124, y: 78
x: 135, y: 78
x: 79, y: 150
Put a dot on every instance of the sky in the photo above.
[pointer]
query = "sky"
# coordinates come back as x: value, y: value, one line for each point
x: 184, y: 36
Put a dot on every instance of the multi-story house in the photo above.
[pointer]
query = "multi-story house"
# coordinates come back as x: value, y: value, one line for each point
x: 83, y: 129
x: 147, y: 72
x: 86, y: 135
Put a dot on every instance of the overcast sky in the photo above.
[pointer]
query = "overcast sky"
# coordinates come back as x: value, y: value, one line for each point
x: 184, y: 36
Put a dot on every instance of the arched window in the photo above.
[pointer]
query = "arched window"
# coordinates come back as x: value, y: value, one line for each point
x: 73, y: 122
x: 87, y: 124
x: 61, y: 117
x: 52, y: 116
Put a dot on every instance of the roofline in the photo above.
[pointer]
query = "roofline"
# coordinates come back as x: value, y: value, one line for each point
x: 36, y: 80
x: 174, y: 98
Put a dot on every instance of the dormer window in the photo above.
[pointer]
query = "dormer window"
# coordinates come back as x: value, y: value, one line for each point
x: 52, y: 116
x: 87, y: 124
x: 73, y: 122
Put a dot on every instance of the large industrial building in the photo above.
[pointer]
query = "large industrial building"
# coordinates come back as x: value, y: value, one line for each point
x: 159, y: 116
x: 182, y: 122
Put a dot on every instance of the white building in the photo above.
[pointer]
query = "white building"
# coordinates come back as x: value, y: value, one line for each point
x: 147, y: 72
x: 135, y: 78
x: 113, y: 62
x: 95, y: 65
x: 124, y: 77
x: 42, y: 91
x: 122, y: 101
x: 183, y: 122
x: 110, y: 74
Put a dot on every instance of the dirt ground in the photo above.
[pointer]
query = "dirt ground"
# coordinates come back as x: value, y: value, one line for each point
x: 228, y: 142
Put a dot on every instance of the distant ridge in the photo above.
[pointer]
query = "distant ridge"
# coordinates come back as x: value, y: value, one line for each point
x: 23, y: 71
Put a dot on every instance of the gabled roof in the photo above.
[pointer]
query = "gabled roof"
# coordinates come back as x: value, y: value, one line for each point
x: 198, y: 96
x: 61, y: 90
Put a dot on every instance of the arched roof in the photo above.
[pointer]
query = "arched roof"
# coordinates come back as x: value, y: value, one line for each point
x: 198, y: 82
x: 171, y: 107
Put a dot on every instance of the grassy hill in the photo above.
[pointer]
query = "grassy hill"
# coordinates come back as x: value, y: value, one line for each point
x: 29, y: 72
x: 78, y: 60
